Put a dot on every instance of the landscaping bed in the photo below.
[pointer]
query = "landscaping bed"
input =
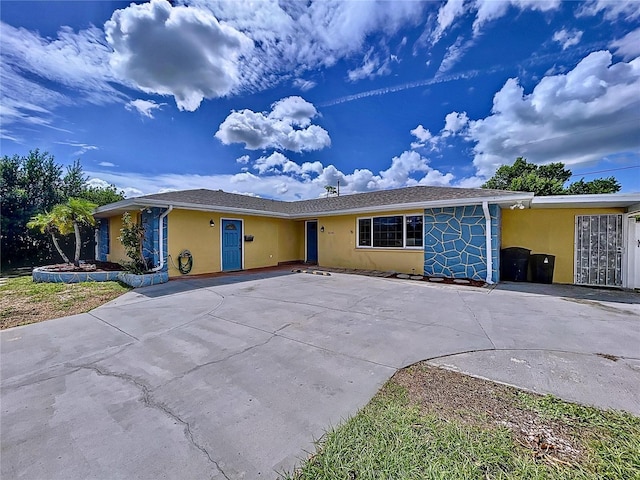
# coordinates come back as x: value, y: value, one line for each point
x: 432, y: 423
x: 88, y: 266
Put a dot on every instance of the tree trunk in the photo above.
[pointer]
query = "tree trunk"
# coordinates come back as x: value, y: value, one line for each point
x: 76, y: 258
x: 55, y: 244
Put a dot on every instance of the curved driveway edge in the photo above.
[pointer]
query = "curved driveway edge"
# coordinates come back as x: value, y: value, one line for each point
x: 198, y: 379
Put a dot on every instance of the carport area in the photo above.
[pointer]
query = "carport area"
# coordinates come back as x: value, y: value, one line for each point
x: 235, y: 377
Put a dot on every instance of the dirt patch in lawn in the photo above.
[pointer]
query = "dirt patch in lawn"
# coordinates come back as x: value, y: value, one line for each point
x: 22, y: 301
x: 452, y: 396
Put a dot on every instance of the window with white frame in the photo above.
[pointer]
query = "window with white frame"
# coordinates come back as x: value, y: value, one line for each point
x: 396, y: 231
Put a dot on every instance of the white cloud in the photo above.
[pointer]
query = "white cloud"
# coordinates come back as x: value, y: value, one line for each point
x: 446, y: 16
x: 574, y: 118
x: 628, y: 46
x: 303, y: 85
x: 82, y: 147
x: 181, y: 51
x: 611, y: 9
x: 273, y: 161
x: 454, y: 122
x: 278, y: 177
x: 286, y: 127
x: 488, y: 10
x: 107, y: 164
x: 243, y: 160
x: 453, y: 54
x: 423, y: 135
x: 97, y: 183
x: 75, y: 61
x: 373, y: 65
x: 194, y: 50
x: 567, y: 38
x: 144, y: 107
x: 484, y: 11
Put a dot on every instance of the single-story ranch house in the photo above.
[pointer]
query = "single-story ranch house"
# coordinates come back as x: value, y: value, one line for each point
x: 434, y: 231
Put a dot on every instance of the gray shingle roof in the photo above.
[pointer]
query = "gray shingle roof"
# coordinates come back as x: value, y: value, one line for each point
x: 220, y: 198
x: 380, y: 198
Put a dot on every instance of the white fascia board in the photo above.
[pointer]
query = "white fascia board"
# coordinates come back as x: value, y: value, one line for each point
x: 634, y: 208
x: 139, y: 203
x: 525, y: 198
x: 597, y: 200
x: 135, y: 203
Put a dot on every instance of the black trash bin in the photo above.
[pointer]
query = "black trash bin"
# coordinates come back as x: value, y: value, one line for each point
x: 514, y: 262
x: 542, y: 265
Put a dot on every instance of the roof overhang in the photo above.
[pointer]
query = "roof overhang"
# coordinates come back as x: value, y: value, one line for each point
x: 126, y: 205
x: 630, y: 201
x: 504, y: 201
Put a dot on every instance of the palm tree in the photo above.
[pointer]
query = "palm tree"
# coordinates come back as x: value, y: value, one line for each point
x: 331, y: 190
x: 69, y: 216
x: 66, y: 218
x: 46, y: 223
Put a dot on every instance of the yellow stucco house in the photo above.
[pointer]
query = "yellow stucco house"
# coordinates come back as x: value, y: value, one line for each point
x: 433, y: 231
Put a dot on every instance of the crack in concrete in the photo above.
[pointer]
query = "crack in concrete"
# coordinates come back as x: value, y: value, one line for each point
x: 473, y: 314
x: 273, y: 334
x: 220, y: 360
x: 27, y: 379
x: 368, y: 314
x: 198, y: 317
x: 112, y: 326
x: 148, y: 401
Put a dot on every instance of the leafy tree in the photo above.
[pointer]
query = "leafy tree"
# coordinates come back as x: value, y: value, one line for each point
x: 33, y: 184
x: 102, y: 195
x: 599, y: 185
x: 542, y: 180
x: 74, y: 181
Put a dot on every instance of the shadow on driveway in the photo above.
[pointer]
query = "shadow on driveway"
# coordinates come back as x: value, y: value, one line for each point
x: 572, y: 292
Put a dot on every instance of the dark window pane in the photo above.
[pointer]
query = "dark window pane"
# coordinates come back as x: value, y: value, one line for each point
x: 364, y: 232
x: 414, y: 231
x: 387, y: 231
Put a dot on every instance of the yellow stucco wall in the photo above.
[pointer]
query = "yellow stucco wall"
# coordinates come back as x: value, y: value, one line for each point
x: 547, y: 230
x: 275, y: 240
x: 337, y: 248
x: 116, y: 250
x: 290, y: 241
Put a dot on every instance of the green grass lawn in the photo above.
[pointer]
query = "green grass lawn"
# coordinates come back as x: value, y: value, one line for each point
x: 22, y: 301
x: 495, y: 432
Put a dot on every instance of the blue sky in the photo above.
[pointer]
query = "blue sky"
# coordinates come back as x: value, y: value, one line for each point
x: 279, y: 99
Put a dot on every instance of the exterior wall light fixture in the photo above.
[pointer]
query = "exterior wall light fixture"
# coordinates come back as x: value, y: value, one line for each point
x: 212, y: 223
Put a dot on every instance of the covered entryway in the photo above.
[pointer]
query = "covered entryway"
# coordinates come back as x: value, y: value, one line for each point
x: 598, y: 250
x: 311, y: 241
x: 231, y: 245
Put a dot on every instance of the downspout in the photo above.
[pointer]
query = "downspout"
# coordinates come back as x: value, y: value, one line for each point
x: 161, y: 238
x: 96, y: 238
x: 487, y: 233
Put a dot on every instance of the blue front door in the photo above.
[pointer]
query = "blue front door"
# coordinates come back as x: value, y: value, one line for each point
x: 231, y: 245
x: 312, y: 242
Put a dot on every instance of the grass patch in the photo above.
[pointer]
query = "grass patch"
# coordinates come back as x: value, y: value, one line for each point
x: 22, y: 301
x: 430, y: 423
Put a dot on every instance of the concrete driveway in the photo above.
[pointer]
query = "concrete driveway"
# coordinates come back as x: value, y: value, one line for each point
x: 202, y: 379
